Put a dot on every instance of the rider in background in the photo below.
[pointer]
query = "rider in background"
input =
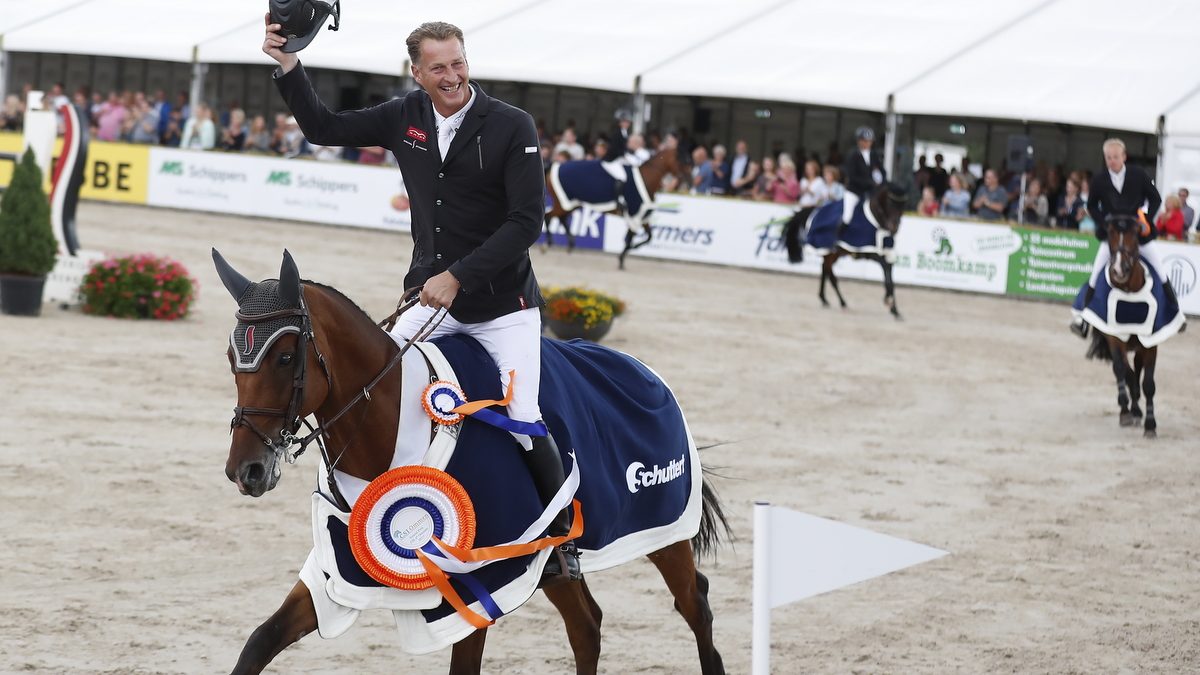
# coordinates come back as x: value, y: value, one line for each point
x: 1122, y: 189
x: 864, y: 172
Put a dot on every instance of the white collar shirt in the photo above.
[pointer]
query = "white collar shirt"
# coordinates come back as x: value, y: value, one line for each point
x: 1118, y: 178
x: 447, y: 127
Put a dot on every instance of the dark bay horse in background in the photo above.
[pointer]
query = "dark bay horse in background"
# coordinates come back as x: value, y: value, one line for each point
x: 1127, y: 272
x: 665, y: 162
x: 334, y: 361
x: 886, y: 206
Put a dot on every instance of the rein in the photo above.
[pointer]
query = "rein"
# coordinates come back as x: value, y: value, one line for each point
x: 291, y: 416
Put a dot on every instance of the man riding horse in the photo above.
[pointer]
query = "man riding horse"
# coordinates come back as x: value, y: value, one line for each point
x: 1122, y: 189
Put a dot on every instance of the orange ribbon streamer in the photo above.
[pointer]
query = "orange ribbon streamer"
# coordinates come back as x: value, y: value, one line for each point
x: 517, y: 550
x: 443, y: 585
x: 474, y: 406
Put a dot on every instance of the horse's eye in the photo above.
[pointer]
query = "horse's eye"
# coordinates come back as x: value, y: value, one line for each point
x: 285, y: 358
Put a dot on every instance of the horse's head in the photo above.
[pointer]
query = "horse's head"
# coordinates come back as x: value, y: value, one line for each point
x: 271, y: 349
x: 1123, y: 247
x: 665, y: 161
x: 888, y: 204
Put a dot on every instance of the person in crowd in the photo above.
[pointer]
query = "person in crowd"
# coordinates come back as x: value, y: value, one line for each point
x: 956, y: 201
x: 1086, y: 222
x: 570, y: 144
x: 1170, y: 221
x: 111, y: 118
x: 1189, y: 215
x: 12, y: 117
x: 833, y: 182
x: 636, y: 153
x: 1037, y: 207
x: 1070, y: 206
x: 258, y: 138
x: 922, y: 175
x: 471, y: 256
x: 95, y: 106
x: 786, y: 189
x: 599, y: 149
x: 199, y: 132
x: 765, y: 184
x: 813, y: 190
x: 1053, y: 186
x: 928, y: 206
x: 991, y: 200
x: 720, y: 171
x: 145, y: 123
x: 233, y: 133
x: 741, y: 167
x: 173, y: 135
x: 939, y: 178
x: 702, y: 173
x: 292, y: 143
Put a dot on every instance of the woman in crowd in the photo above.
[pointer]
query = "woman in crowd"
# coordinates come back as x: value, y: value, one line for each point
x: 928, y: 206
x: 786, y: 189
x: 813, y: 191
x: 199, y: 133
x: 13, y: 115
x: 1070, y: 206
x: 833, y: 182
x: 1037, y: 207
x: 1170, y: 221
x: 258, y: 139
x: 765, y: 184
x: 957, y: 200
x: 233, y: 136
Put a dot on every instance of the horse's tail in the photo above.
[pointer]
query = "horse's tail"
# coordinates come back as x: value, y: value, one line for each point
x: 1098, y: 350
x: 713, y: 525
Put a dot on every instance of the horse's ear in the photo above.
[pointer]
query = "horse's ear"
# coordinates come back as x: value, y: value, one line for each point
x: 289, y: 281
x: 234, y: 282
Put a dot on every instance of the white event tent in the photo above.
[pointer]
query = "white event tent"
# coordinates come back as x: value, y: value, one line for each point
x: 1111, y: 64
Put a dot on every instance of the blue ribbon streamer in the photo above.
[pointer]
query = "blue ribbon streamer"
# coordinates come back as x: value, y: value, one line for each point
x: 495, y: 419
x: 477, y: 589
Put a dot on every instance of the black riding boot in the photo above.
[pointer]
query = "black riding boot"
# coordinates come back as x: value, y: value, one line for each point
x: 545, y: 465
x: 1079, y: 326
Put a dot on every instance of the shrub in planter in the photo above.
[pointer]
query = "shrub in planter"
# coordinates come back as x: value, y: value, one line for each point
x: 28, y: 248
x: 142, y: 286
x: 576, y: 312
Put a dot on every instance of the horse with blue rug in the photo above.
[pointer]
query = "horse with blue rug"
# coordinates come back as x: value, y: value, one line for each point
x: 423, y: 505
x: 870, y: 234
x: 1130, y: 309
x: 610, y: 187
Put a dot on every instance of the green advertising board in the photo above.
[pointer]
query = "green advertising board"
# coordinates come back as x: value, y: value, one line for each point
x: 1051, y: 264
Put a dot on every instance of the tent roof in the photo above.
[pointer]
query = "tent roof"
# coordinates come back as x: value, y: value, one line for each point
x: 1105, y: 63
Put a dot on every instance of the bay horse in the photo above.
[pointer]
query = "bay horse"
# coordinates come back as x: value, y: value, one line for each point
x: 1127, y: 272
x: 331, y: 361
x: 886, y: 207
x: 652, y: 172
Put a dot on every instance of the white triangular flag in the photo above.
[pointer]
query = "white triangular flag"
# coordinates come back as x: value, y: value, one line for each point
x: 810, y: 555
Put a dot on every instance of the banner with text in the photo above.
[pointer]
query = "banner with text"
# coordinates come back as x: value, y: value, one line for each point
x: 115, y: 172
x: 273, y: 187
x: 1051, y: 264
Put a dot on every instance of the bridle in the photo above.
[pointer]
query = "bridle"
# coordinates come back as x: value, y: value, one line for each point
x: 292, y: 415
x: 1120, y: 255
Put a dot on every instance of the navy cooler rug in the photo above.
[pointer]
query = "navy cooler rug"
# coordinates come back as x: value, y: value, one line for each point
x: 1146, y: 314
x: 860, y: 236
x: 588, y: 182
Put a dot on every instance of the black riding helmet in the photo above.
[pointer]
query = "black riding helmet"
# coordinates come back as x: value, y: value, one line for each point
x: 301, y: 20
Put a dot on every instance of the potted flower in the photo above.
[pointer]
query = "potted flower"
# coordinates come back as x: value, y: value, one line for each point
x: 573, y: 312
x: 142, y: 286
x: 28, y: 248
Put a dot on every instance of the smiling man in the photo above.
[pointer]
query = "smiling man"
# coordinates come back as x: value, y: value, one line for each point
x: 474, y: 177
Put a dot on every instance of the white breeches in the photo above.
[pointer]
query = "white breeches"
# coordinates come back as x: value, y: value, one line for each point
x: 848, y: 203
x: 1148, y: 251
x: 514, y: 343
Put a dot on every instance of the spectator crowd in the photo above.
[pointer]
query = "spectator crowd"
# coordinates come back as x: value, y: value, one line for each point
x: 1050, y: 197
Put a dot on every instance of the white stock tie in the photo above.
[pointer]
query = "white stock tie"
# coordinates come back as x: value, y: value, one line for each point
x: 445, y: 133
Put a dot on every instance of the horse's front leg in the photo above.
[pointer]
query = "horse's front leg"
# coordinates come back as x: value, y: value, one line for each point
x: 466, y: 656
x: 889, y: 288
x: 827, y: 270
x: 294, y: 619
x: 549, y: 240
x: 1120, y: 366
x: 1148, y: 386
x: 625, y: 251
x: 1133, y: 377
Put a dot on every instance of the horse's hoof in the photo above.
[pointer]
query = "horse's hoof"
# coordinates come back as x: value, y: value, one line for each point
x: 1150, y: 433
x: 824, y: 304
x: 896, y: 315
x: 1126, y: 419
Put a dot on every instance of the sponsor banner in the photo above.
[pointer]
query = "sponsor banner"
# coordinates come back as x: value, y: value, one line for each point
x: 1182, y: 266
x: 115, y: 172
x: 324, y: 192
x: 929, y: 251
x: 586, y: 225
x: 1051, y: 264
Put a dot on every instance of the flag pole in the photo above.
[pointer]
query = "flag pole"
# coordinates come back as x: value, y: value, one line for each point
x: 761, y: 601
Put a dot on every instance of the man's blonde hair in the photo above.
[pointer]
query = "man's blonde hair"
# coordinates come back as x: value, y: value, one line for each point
x: 431, y: 30
x: 1115, y: 143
